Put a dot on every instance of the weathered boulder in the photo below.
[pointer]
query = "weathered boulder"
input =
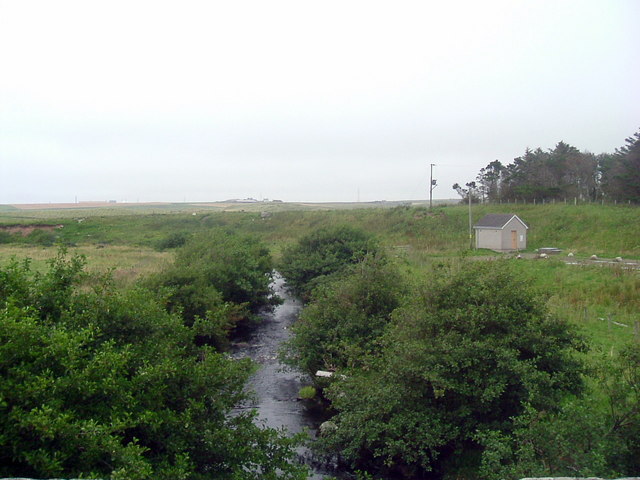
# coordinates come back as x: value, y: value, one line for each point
x: 327, y: 427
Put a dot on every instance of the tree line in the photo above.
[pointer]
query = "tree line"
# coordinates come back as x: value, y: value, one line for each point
x: 561, y: 173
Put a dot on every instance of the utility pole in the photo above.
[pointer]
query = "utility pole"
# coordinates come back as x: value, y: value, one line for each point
x: 470, y: 222
x: 432, y: 185
x: 470, y: 191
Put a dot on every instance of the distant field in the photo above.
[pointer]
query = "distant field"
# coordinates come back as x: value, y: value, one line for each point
x: 127, y: 238
x: 65, y: 210
x: 607, y: 231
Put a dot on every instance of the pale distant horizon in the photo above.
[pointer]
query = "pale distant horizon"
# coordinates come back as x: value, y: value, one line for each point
x: 197, y: 101
x: 107, y: 203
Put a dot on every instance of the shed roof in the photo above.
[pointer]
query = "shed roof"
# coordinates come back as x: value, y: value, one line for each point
x: 497, y: 220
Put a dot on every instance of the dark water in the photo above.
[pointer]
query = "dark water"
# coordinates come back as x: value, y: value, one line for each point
x: 275, y: 386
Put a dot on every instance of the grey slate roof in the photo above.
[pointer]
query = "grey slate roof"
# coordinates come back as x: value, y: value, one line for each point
x: 496, y: 220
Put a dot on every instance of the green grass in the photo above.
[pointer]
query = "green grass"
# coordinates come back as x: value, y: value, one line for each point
x: 307, y: 393
x: 592, y: 297
x: 415, y: 236
x: 604, y: 230
x: 127, y: 263
x: 607, y: 231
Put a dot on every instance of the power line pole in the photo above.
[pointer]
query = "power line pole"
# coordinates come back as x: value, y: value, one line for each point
x: 470, y: 191
x: 470, y: 223
x: 432, y: 185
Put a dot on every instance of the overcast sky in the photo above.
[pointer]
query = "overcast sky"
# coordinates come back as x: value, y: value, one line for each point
x: 139, y: 100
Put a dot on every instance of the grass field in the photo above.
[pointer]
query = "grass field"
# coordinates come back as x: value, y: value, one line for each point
x: 127, y: 263
x: 604, y: 230
x: 599, y: 300
x: 125, y: 239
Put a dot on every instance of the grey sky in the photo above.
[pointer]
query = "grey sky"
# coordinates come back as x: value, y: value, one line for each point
x: 301, y: 101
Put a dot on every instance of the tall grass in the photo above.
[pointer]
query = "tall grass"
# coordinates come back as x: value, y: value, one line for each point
x: 603, y: 301
x: 126, y: 263
x: 604, y: 230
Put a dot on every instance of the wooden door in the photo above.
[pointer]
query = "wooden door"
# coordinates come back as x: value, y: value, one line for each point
x: 514, y: 239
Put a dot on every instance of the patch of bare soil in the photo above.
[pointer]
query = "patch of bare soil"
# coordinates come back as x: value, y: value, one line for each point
x: 25, y: 230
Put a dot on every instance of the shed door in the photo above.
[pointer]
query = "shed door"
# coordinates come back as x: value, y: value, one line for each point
x: 514, y: 239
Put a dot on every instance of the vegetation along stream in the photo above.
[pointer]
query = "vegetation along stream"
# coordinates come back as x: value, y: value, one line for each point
x: 276, y: 386
x: 444, y: 367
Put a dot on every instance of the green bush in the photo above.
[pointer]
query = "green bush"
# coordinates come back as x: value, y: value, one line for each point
x: 217, y: 280
x: 470, y: 353
x: 100, y: 383
x: 6, y: 237
x: 238, y: 266
x: 41, y: 237
x: 323, y: 253
x: 175, y: 240
x: 583, y: 437
x: 345, y: 317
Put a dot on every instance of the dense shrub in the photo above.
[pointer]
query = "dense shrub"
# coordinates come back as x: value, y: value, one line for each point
x: 102, y: 383
x: 323, y: 253
x: 345, y: 317
x: 238, y: 266
x: 467, y: 356
x: 174, y: 240
x: 583, y: 437
x: 217, y: 280
x: 41, y: 237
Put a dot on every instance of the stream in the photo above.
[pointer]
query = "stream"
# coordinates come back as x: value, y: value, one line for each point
x: 275, y: 387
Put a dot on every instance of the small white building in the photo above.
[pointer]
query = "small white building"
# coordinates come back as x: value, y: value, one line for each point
x: 501, y: 232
